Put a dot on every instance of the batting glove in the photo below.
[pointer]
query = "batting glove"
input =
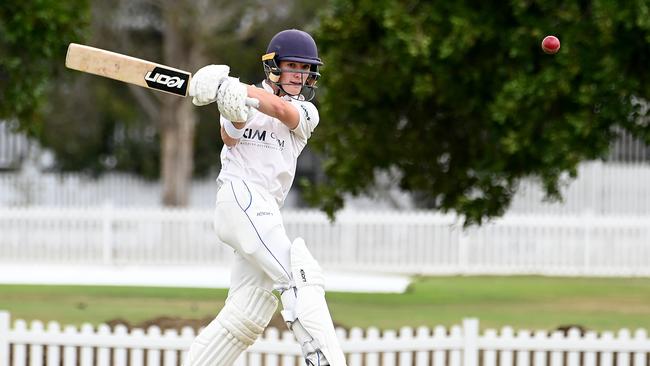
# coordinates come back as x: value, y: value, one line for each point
x: 233, y: 102
x: 205, y: 83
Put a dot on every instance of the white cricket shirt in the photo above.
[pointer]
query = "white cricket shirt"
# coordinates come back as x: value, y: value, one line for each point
x: 267, y: 153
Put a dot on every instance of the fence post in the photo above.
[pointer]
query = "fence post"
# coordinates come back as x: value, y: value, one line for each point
x: 349, y: 228
x: 4, y: 338
x: 107, y: 233
x: 587, y: 226
x: 597, y: 188
x: 463, y: 247
x: 470, y: 342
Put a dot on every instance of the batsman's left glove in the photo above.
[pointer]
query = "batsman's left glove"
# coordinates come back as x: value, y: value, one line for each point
x: 205, y: 83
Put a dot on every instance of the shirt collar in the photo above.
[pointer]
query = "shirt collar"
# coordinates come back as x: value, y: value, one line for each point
x: 267, y: 87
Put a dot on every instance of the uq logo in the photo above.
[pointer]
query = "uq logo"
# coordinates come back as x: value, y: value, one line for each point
x: 169, y: 80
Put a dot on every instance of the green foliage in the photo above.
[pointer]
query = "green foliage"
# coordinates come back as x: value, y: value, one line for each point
x: 92, y: 125
x: 459, y: 97
x: 33, y: 39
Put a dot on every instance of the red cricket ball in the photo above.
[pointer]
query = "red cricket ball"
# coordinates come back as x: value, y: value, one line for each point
x: 551, y: 44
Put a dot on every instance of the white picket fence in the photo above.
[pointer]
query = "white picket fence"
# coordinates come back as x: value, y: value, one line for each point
x: 32, y: 188
x: 602, y: 188
x: 391, y: 242
x: 38, y: 345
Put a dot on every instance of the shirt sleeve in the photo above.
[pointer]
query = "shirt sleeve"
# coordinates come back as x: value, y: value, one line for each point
x: 309, y: 119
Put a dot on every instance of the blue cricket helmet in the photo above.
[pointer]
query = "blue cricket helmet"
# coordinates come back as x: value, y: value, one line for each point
x: 292, y: 45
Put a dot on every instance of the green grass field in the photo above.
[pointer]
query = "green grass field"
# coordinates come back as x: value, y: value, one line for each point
x: 523, y: 302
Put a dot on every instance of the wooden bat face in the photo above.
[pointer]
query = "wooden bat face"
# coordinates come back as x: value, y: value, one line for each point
x: 127, y: 69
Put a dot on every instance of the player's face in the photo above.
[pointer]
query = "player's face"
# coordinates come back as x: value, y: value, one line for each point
x: 294, y: 75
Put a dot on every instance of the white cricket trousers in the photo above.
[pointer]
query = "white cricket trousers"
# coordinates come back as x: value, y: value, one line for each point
x: 247, y: 218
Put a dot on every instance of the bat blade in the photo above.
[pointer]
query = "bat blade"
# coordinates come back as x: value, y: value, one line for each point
x: 128, y: 69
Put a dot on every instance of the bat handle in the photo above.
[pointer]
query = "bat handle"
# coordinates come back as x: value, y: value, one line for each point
x: 253, y: 102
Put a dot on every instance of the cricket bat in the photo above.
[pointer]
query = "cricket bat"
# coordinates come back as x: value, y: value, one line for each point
x: 127, y: 69
x: 132, y: 70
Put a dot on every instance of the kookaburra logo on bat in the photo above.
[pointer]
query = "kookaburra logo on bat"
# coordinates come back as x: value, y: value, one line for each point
x: 170, y: 81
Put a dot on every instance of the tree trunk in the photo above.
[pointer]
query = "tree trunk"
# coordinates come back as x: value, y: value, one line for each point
x: 177, y: 139
x: 178, y: 119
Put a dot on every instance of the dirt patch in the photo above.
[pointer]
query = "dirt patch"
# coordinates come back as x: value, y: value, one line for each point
x: 565, y: 328
x: 177, y: 323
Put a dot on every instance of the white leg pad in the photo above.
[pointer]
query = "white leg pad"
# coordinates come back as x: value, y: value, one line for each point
x: 241, y: 321
x: 310, y: 306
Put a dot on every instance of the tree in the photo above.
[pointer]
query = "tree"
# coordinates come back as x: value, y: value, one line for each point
x: 110, y: 125
x: 33, y: 39
x: 460, y: 100
x: 180, y: 30
x: 186, y: 29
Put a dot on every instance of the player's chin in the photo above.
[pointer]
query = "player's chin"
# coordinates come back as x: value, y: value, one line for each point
x: 293, y: 89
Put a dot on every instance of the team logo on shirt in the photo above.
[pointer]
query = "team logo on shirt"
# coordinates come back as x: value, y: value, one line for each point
x: 249, y: 133
x: 260, y: 135
x: 280, y: 141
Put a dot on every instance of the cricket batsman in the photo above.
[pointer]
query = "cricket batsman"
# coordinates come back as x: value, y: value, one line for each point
x: 258, y: 165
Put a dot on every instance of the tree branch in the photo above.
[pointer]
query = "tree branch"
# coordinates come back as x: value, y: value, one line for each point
x: 147, y: 102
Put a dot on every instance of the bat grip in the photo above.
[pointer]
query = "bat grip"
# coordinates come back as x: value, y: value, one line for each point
x: 253, y: 102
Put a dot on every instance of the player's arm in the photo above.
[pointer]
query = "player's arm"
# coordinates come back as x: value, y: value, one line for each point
x: 237, y: 101
x: 276, y: 107
x: 231, y: 132
x: 230, y: 141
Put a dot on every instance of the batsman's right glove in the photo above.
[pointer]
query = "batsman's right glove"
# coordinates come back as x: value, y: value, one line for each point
x: 233, y: 101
